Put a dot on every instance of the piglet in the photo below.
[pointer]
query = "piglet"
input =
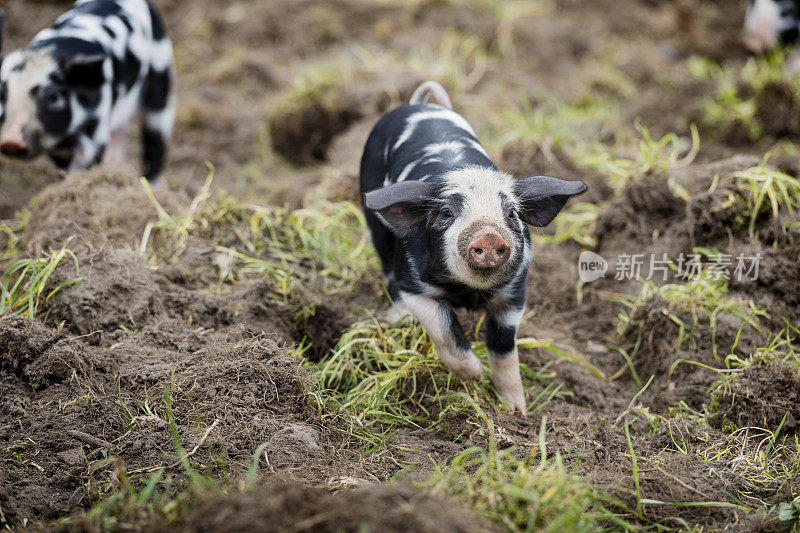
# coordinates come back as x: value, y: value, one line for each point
x: 450, y: 230
x: 73, y: 90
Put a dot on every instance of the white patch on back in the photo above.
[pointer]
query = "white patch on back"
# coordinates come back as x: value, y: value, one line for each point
x: 440, y: 114
x: 407, y: 170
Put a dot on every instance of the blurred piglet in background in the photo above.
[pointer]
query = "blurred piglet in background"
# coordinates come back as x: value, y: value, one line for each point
x: 73, y: 90
x: 772, y: 22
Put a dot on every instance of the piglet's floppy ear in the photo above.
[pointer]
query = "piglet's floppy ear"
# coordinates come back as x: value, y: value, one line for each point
x: 400, y: 206
x: 85, y: 71
x: 542, y: 198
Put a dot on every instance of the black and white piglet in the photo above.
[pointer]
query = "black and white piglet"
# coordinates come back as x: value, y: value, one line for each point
x: 450, y: 230
x: 72, y: 92
x: 770, y: 22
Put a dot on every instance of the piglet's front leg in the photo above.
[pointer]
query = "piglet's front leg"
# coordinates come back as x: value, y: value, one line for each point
x: 501, y: 341
x: 441, y: 323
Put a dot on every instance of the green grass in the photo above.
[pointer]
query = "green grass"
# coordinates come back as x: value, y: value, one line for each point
x: 327, y: 240
x: 764, y: 189
x: 524, y: 492
x: 576, y: 223
x: 732, y: 102
x: 26, y: 289
x: 165, y: 239
x: 325, y: 244
x: 700, y: 300
x: 322, y: 83
x: 591, y: 135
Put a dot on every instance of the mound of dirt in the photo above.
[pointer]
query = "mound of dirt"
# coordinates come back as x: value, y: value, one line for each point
x: 293, y: 507
x: 761, y: 397
x: 20, y: 181
x: 96, y: 209
x: 648, y: 216
x: 119, y: 290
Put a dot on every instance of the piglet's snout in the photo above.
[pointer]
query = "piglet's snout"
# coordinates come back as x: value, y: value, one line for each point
x: 759, y: 39
x: 488, y: 249
x: 12, y: 142
x: 761, y: 26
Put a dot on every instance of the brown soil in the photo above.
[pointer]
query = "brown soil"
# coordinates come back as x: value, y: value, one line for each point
x: 88, y: 380
x: 761, y: 397
x: 301, y: 508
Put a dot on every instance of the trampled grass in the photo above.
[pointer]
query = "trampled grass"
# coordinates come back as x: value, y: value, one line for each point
x: 325, y: 243
x: 173, y: 230
x: 576, y: 222
x: 530, y: 492
x: 766, y: 459
x: 380, y: 377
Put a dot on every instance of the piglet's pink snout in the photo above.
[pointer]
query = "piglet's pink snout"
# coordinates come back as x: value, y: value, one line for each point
x: 12, y: 140
x: 760, y: 36
x: 488, y: 249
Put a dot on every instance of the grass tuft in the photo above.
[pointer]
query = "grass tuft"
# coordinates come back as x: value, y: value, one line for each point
x: 765, y: 189
x: 24, y: 286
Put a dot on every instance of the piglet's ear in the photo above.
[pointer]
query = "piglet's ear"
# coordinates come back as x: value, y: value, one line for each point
x: 400, y: 206
x: 542, y: 198
x: 85, y: 71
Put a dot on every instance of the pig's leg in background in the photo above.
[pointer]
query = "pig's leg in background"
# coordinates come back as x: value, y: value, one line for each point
x: 116, y: 153
x: 158, y: 117
x: 501, y: 341
x: 88, y: 151
x: 441, y: 323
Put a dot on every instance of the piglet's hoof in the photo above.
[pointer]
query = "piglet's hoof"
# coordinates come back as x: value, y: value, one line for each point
x: 513, y: 394
x: 518, y: 403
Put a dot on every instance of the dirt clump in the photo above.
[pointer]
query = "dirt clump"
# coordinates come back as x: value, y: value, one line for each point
x: 778, y: 109
x: 763, y: 396
x: 95, y: 209
x: 294, y: 507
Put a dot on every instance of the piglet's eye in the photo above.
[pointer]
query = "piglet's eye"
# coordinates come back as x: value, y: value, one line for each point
x: 512, y: 213
x: 446, y: 213
x: 51, y: 99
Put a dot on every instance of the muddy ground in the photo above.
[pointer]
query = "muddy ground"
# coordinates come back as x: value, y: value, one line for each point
x: 90, y: 378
